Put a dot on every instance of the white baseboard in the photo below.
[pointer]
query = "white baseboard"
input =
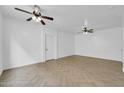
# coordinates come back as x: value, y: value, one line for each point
x: 65, y: 56
x: 20, y: 65
x: 99, y: 57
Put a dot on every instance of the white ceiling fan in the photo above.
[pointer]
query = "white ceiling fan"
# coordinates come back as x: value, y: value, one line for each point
x: 85, y: 29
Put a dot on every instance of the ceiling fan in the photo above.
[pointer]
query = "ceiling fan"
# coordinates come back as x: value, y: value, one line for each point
x: 85, y: 28
x: 37, y: 15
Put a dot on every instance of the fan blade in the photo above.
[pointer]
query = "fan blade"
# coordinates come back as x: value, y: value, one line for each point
x: 23, y: 10
x: 90, y: 31
x: 42, y: 22
x: 29, y: 19
x: 46, y: 17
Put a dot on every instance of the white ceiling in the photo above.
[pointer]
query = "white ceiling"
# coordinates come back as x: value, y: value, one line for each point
x: 71, y: 17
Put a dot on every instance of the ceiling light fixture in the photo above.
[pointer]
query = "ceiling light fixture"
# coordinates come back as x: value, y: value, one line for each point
x: 34, y: 18
x: 37, y: 19
x: 85, y: 28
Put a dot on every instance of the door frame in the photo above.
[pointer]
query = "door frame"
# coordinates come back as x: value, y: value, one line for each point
x: 55, y: 45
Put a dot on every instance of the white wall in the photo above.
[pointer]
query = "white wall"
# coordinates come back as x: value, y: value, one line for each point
x: 23, y: 43
x: 1, y: 61
x: 105, y: 44
x: 66, y: 42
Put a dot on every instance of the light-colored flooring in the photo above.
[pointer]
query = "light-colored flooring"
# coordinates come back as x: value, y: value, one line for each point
x: 73, y: 71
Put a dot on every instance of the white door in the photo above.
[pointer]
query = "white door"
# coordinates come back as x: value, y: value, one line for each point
x: 50, y: 47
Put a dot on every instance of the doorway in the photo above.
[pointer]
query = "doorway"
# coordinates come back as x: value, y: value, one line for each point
x: 50, y: 47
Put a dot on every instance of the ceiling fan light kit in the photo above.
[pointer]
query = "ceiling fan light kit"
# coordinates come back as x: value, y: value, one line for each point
x: 37, y: 17
x: 34, y: 17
